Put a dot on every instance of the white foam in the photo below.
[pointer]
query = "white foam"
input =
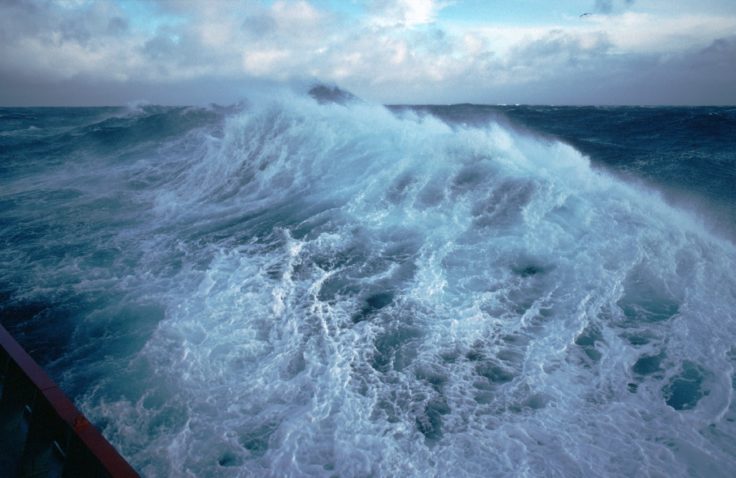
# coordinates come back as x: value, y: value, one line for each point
x: 394, y: 296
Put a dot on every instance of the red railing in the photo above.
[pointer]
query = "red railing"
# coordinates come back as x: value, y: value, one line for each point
x: 41, y: 431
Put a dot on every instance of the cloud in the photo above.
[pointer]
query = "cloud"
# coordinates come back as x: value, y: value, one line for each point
x: 560, y: 47
x: 699, y: 77
x: 399, y: 51
x: 259, y: 25
x: 607, y: 6
x: 406, y: 12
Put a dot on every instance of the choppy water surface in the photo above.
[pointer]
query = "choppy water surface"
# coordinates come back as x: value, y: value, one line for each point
x: 292, y: 288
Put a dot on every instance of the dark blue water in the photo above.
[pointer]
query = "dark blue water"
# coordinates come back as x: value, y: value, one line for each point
x: 295, y: 288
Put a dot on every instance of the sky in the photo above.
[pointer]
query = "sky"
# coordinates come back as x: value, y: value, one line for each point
x: 576, y: 52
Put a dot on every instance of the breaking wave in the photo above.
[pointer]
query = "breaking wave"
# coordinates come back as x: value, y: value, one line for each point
x: 306, y: 289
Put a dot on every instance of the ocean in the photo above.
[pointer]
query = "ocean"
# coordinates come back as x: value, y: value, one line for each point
x: 292, y: 287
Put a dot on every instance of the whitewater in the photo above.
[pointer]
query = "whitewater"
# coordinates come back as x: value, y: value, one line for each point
x: 293, y: 287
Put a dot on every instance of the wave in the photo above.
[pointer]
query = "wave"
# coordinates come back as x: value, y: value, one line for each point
x: 343, y: 290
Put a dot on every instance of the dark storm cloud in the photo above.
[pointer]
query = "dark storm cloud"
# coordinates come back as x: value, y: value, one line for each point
x: 177, y: 46
x: 85, y: 91
x: 20, y: 17
x: 162, y: 46
x: 706, y: 76
x: 259, y: 25
x: 721, y: 53
x: 702, y: 77
x: 561, y: 48
x: 48, y: 22
x: 117, y: 26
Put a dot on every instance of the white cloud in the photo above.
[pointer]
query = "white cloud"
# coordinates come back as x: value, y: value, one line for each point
x: 642, y: 32
x: 408, y: 13
x: 270, y: 62
x: 400, y: 52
